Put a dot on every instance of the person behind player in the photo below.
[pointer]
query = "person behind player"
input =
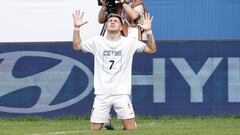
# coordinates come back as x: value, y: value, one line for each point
x: 113, y: 55
x: 130, y: 11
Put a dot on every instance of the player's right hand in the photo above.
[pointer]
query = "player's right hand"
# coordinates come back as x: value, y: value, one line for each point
x: 78, y: 18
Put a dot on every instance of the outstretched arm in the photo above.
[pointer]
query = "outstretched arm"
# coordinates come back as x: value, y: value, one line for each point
x: 78, y: 22
x: 147, y: 26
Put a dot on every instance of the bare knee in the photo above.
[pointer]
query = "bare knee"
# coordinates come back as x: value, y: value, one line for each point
x: 129, y: 124
x: 96, y: 126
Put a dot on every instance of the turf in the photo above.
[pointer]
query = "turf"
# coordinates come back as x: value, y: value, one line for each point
x: 228, y: 125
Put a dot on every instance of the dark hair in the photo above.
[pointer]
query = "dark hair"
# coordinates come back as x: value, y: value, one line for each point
x: 115, y: 15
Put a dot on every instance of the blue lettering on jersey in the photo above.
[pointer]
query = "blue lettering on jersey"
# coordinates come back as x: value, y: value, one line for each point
x: 118, y: 53
x: 106, y: 53
x: 111, y: 52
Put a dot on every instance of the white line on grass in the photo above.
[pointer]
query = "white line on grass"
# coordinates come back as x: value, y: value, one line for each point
x: 65, y: 132
x: 58, y: 133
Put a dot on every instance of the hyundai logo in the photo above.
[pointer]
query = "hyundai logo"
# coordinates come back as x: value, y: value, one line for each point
x: 57, y: 74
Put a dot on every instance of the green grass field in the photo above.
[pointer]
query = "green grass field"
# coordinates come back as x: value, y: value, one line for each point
x: 229, y: 125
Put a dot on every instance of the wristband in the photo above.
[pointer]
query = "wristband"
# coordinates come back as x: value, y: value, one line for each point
x: 76, y: 28
x: 149, y: 32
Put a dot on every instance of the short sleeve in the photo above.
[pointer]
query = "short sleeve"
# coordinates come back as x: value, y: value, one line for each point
x: 89, y: 45
x: 139, y: 46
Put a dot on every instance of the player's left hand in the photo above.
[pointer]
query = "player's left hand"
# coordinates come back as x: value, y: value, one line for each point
x: 147, y: 22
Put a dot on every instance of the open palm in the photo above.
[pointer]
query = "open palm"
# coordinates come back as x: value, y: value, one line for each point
x: 78, y: 18
x: 147, y: 22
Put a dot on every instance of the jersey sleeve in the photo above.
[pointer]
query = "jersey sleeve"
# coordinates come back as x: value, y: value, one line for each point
x: 89, y: 45
x: 139, y: 46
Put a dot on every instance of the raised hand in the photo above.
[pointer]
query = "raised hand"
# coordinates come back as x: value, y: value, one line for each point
x: 147, y: 22
x: 78, y: 18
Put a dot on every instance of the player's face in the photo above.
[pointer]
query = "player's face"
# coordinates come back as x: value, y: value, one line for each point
x: 114, y: 24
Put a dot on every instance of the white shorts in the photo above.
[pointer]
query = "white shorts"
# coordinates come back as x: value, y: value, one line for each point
x: 102, y: 107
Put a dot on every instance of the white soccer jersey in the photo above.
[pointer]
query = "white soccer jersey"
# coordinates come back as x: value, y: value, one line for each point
x: 112, y: 63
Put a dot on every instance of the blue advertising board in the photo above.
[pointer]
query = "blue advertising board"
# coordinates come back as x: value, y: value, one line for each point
x: 195, y: 19
x: 183, y: 78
